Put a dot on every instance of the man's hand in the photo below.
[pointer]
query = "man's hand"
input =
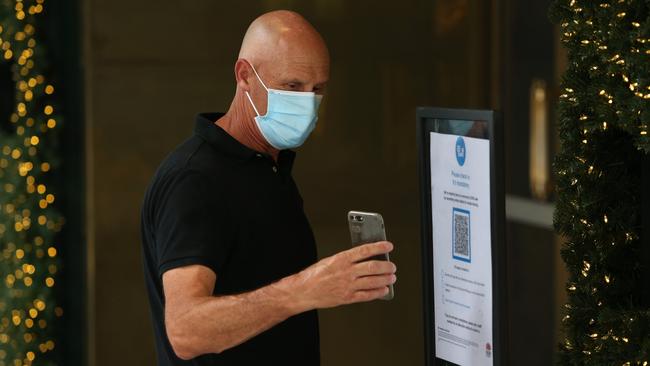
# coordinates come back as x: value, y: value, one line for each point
x: 198, y: 323
x: 343, y: 278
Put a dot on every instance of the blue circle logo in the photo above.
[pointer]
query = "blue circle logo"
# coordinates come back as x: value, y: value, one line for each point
x: 460, y: 151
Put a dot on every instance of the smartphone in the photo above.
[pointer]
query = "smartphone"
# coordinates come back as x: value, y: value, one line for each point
x: 368, y: 227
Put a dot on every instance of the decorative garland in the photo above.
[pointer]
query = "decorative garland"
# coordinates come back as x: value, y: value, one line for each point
x: 28, y: 220
x: 603, y: 125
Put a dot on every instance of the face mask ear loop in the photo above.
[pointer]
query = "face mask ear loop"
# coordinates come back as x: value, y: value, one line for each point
x: 253, y: 104
x: 261, y: 82
x: 258, y: 77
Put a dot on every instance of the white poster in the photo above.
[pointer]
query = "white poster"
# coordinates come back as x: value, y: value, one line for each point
x: 462, y: 258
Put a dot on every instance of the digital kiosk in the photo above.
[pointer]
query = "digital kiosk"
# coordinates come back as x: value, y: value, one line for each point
x: 463, y: 248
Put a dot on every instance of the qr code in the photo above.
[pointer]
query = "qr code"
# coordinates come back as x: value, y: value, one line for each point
x: 461, y: 243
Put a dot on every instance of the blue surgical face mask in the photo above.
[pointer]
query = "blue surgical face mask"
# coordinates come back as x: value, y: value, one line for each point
x: 290, y: 116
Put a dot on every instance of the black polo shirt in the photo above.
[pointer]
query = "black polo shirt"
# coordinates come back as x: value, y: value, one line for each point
x: 217, y: 203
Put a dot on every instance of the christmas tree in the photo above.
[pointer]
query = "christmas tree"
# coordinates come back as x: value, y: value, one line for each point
x: 603, y: 127
x: 28, y: 219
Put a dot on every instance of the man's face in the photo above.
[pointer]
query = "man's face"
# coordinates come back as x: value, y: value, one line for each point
x: 296, y: 68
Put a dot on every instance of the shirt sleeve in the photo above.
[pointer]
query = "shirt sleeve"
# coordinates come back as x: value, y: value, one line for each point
x: 191, y: 225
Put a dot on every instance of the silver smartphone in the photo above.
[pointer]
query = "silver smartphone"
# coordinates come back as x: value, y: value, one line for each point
x: 368, y: 227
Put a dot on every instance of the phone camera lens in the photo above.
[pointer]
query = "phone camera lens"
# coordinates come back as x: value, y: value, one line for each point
x: 359, y: 218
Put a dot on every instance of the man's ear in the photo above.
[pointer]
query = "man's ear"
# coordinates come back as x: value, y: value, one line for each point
x: 242, y: 74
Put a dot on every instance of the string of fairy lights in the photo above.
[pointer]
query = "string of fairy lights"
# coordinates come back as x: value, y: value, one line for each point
x: 616, y: 67
x: 28, y: 220
x: 604, y: 117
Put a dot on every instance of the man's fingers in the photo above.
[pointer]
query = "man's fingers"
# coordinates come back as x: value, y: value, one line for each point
x: 368, y: 250
x: 369, y: 295
x: 374, y: 282
x: 374, y: 268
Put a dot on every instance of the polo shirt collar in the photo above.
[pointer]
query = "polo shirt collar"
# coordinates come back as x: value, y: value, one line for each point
x: 221, y: 140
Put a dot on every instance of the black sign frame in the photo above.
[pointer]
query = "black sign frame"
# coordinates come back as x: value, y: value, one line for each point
x: 428, y: 120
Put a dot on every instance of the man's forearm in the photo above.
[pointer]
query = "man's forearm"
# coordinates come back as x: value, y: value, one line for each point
x: 214, y: 324
x: 198, y: 324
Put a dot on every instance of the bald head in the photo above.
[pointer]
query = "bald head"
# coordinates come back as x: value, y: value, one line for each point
x: 280, y: 51
x: 286, y: 52
x: 275, y: 35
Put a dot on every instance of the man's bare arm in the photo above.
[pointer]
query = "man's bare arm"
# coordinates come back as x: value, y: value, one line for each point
x: 198, y: 323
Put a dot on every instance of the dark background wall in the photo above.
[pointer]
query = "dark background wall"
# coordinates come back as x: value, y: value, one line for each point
x: 151, y: 65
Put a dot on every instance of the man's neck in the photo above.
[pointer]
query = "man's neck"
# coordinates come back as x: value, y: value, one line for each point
x: 242, y: 127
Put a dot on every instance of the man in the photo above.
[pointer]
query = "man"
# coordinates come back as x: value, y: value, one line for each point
x: 228, y: 252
